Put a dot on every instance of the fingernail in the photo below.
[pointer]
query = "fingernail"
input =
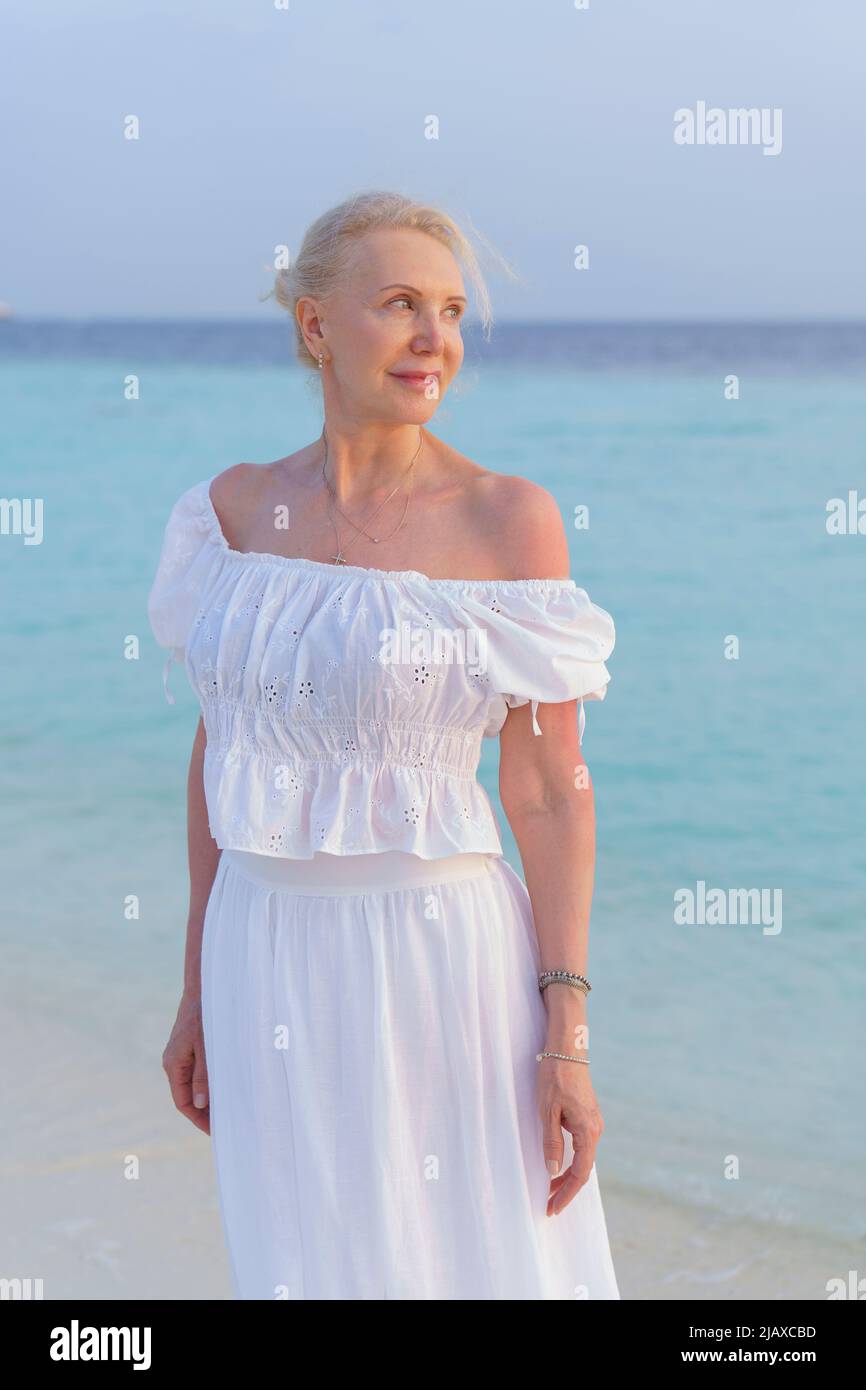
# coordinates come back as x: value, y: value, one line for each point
x: 552, y: 1167
x: 201, y: 1100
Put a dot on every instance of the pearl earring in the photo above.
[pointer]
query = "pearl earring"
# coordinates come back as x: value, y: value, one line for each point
x: 321, y: 360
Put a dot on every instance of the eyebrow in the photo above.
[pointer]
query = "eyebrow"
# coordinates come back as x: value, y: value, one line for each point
x: 461, y: 297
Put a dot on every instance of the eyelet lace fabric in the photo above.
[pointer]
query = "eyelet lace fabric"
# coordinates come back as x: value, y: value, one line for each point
x: 331, y: 724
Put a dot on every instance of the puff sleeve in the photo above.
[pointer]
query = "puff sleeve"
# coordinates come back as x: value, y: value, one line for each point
x: 547, y: 643
x: 174, y: 595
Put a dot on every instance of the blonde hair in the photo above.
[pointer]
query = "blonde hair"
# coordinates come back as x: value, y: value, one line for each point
x: 326, y: 253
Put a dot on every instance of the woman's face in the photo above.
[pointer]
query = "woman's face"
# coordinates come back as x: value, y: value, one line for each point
x: 396, y: 319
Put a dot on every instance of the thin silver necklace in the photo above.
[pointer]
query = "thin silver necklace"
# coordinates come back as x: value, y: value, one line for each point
x: 339, y: 558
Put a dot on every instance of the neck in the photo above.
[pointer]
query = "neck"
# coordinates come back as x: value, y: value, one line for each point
x: 360, y: 466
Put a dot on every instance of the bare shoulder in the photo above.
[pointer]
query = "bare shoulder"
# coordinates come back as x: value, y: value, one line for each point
x: 518, y: 521
x: 230, y: 492
x: 236, y: 493
x: 523, y: 522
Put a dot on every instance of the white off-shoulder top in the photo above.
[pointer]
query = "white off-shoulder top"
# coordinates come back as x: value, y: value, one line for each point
x: 345, y: 706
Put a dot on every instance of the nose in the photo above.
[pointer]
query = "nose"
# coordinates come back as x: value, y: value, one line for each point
x: 429, y: 336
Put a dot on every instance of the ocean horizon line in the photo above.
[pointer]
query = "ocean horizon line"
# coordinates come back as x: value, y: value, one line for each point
x: 250, y: 321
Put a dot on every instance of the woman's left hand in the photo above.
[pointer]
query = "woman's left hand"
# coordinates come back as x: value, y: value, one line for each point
x: 566, y: 1100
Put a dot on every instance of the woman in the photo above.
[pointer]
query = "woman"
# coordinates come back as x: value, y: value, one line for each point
x: 399, y: 1099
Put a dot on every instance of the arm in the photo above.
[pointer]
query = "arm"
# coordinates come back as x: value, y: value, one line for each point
x: 553, y: 821
x: 203, y: 854
x: 547, y: 797
x: 184, y: 1059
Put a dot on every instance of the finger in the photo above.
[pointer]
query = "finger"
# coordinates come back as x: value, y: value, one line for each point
x: 180, y: 1081
x: 200, y: 1096
x: 570, y: 1183
x: 200, y: 1118
x: 553, y: 1146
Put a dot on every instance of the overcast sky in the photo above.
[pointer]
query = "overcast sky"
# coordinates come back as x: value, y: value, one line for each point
x: 555, y: 129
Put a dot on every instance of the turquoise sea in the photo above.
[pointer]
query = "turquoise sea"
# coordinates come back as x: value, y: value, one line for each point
x: 711, y: 1043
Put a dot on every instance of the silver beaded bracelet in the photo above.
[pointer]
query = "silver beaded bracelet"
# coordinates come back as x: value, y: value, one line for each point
x: 567, y: 977
x: 563, y: 1055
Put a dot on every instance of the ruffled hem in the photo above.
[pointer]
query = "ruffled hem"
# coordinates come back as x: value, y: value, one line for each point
x: 347, y: 810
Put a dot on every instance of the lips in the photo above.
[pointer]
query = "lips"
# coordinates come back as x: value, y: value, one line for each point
x: 416, y: 376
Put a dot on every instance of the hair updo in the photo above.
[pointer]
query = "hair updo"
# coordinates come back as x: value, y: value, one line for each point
x: 326, y: 251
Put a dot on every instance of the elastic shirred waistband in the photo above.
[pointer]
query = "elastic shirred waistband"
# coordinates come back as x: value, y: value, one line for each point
x: 339, y: 875
x: 304, y: 745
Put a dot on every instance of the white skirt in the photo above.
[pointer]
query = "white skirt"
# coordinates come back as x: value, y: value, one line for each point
x: 371, y: 1023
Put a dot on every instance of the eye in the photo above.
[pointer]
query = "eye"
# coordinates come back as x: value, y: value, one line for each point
x: 404, y: 299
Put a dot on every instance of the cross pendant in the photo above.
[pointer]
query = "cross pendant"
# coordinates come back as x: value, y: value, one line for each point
x: 338, y: 560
